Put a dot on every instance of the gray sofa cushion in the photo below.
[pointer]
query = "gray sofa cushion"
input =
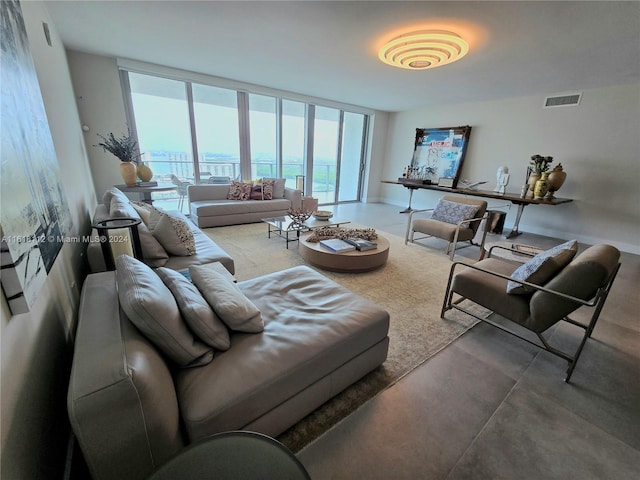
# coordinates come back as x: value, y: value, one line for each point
x: 227, y: 300
x: 195, y: 310
x: 306, y: 337
x: 151, y: 307
x: 236, y: 207
x: 153, y: 252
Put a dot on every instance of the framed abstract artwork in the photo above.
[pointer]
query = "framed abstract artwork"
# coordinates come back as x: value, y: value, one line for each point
x: 439, y: 153
x: 35, y: 215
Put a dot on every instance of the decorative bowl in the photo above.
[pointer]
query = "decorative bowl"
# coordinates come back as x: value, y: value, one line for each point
x: 322, y: 215
x: 299, y: 216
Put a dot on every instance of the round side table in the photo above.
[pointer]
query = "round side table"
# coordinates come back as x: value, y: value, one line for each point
x: 236, y: 455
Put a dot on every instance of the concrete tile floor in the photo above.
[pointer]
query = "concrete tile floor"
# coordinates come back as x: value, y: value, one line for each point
x: 490, y: 406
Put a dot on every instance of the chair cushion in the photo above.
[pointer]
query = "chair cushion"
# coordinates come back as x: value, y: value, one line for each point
x: 151, y: 307
x: 443, y: 230
x: 453, y: 212
x: 195, y: 310
x: 542, y: 267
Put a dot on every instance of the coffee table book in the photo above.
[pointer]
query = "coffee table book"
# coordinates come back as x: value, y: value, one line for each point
x: 337, y: 245
x: 361, y: 244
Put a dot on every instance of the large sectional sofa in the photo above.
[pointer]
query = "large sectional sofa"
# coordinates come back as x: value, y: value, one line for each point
x: 135, y: 401
x: 210, y: 205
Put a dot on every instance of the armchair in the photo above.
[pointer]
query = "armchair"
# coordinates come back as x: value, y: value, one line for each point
x: 454, y: 219
x: 584, y: 282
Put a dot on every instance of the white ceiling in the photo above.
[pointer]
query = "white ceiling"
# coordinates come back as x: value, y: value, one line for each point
x: 329, y: 49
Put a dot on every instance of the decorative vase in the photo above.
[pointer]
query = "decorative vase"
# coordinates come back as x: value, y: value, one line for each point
x: 557, y: 176
x: 533, y: 178
x: 542, y: 186
x: 144, y: 172
x: 128, y: 172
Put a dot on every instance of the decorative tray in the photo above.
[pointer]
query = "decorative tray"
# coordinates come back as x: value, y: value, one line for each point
x: 322, y: 215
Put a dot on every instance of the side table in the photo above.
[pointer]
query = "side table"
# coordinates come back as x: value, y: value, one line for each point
x: 232, y: 456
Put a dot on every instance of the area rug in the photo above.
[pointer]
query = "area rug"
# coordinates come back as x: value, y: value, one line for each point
x: 410, y: 287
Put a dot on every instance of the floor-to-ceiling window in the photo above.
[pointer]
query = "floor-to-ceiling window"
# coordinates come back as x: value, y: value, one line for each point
x: 162, y: 124
x: 262, y: 136
x: 215, y: 113
x: 197, y: 131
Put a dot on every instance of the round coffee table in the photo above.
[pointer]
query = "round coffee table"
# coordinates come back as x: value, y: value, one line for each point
x: 352, y: 261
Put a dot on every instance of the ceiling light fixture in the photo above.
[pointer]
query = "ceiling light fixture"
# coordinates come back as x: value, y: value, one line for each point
x: 424, y: 49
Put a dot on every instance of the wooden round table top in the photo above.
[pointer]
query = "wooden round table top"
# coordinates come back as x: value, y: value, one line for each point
x: 352, y: 261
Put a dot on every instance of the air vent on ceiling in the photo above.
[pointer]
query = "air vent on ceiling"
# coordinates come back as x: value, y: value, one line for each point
x: 564, y: 100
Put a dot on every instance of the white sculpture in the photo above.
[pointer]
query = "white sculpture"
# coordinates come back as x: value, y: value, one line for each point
x: 502, y: 179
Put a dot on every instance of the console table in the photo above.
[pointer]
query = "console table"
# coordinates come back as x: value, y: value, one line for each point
x: 513, y: 198
x: 146, y: 190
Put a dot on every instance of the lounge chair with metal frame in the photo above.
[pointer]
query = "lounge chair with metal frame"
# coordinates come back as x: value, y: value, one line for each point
x: 584, y: 282
x: 454, y: 219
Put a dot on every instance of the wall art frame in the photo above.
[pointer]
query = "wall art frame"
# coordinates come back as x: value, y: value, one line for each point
x: 440, y: 153
x: 35, y: 216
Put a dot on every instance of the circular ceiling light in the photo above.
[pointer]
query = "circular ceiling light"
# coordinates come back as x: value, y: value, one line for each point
x: 424, y: 49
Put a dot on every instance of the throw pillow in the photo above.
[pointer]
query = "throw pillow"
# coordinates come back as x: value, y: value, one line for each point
x: 542, y: 267
x: 453, y: 212
x: 152, y: 309
x: 143, y: 210
x: 152, y: 251
x: 267, y: 189
x: 239, y: 191
x: 227, y: 300
x: 195, y: 310
x: 256, y: 192
x: 278, y: 186
x: 175, y: 235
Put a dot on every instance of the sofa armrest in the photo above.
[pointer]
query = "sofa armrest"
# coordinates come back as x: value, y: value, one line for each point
x: 198, y: 193
x: 294, y: 196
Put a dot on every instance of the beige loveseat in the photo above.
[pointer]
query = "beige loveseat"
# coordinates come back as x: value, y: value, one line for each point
x: 115, y: 204
x: 132, y: 409
x: 209, y: 205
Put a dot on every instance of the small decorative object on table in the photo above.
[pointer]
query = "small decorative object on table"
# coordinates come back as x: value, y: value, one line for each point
x: 557, y: 176
x: 322, y: 214
x: 539, y: 165
x: 298, y: 216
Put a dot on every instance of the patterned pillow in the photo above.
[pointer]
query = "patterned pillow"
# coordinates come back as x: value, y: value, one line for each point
x: 256, y: 192
x: 267, y: 189
x: 542, y: 267
x: 175, y: 235
x: 239, y: 191
x: 453, y: 212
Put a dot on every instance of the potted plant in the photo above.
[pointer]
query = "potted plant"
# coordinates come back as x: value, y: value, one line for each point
x: 126, y: 149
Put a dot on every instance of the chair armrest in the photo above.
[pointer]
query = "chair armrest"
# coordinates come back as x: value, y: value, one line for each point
x: 411, y: 213
x: 502, y: 247
x: 590, y: 303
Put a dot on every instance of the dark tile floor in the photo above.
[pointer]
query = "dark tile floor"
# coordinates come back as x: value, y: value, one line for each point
x: 490, y: 406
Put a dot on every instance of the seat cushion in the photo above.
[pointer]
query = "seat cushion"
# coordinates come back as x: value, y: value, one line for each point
x: 443, y: 230
x: 312, y: 327
x: 490, y: 291
x: 205, y: 208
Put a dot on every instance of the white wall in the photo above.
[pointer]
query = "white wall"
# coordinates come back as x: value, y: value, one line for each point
x: 597, y: 142
x: 36, y: 346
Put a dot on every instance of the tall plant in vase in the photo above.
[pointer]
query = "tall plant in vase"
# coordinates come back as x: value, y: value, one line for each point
x: 125, y: 148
